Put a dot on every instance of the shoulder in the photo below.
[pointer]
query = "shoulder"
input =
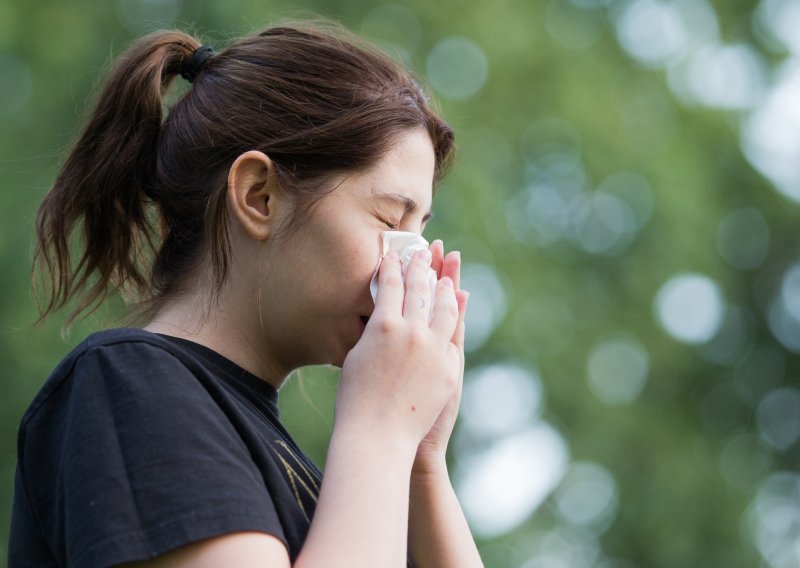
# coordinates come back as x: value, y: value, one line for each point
x: 125, y: 343
x: 121, y: 360
x: 130, y: 445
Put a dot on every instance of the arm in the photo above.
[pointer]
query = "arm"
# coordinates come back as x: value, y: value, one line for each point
x: 438, y: 534
x: 384, y: 407
x: 362, y: 514
x: 361, y: 518
x: 438, y: 531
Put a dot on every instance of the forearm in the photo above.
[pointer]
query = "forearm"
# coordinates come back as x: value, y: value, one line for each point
x: 361, y: 517
x: 438, y: 534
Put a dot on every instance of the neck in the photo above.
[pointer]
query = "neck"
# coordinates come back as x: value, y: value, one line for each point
x: 224, y: 331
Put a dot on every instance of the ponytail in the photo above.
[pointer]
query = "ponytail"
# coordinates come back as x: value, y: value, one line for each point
x: 107, y: 182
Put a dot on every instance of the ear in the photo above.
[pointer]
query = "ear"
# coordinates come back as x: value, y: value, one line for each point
x: 254, y: 197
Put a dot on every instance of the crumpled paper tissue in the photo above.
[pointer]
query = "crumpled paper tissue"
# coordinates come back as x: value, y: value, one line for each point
x: 406, y: 244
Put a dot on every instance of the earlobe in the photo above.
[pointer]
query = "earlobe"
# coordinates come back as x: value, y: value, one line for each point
x: 253, y: 194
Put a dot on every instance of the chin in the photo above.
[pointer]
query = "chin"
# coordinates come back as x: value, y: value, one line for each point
x: 339, y: 347
x: 336, y: 354
x: 336, y: 360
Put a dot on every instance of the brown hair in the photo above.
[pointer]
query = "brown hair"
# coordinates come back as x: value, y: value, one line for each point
x: 150, y: 191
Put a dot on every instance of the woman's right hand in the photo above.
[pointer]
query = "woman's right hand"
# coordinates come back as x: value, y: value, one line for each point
x: 402, y: 371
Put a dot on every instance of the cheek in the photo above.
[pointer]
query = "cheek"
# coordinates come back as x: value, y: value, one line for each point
x: 360, y: 258
x: 346, y: 254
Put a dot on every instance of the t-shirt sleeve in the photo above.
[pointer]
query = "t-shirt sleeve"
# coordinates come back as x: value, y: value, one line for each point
x: 143, y: 460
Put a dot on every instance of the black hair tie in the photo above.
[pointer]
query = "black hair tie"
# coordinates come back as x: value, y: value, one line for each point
x: 191, y: 68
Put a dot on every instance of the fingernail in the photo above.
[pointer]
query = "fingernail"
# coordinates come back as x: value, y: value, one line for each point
x: 439, y: 241
x: 447, y: 282
x: 392, y: 255
x: 458, y: 256
x: 425, y: 254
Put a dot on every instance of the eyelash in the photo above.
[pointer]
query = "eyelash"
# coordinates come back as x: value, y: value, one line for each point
x: 392, y: 226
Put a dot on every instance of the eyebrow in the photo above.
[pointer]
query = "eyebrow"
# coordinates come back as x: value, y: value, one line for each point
x: 409, y: 204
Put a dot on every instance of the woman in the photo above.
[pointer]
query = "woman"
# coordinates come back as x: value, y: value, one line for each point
x: 246, y: 224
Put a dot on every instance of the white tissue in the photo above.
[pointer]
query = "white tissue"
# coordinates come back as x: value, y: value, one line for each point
x: 406, y: 244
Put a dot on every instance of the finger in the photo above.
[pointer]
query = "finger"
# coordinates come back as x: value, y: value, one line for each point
x: 460, y: 385
x: 445, y: 312
x: 462, y: 296
x: 437, y: 262
x: 452, y: 268
x: 418, y: 294
x: 389, y: 299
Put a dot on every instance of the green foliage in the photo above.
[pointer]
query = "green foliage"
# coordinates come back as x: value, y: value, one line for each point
x: 688, y: 453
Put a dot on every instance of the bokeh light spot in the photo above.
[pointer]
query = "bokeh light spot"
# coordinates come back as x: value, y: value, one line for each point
x: 781, y: 20
x: 457, y: 67
x: 783, y: 325
x: 774, y: 518
x: 487, y: 303
x: 690, y: 307
x: 743, y: 238
x: 499, y: 399
x: 502, y: 486
x: 659, y: 32
x: 617, y: 370
x: 587, y: 496
x: 651, y: 31
x: 778, y: 418
x: 601, y: 223
x: 719, y: 76
x: 770, y: 136
x: 790, y: 291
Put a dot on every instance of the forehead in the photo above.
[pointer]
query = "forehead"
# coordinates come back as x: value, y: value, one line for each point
x: 404, y: 175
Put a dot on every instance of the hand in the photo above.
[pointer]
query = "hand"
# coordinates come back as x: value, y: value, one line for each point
x: 431, y: 451
x: 402, y: 372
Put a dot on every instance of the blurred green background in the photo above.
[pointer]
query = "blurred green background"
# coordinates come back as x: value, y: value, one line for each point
x: 625, y: 198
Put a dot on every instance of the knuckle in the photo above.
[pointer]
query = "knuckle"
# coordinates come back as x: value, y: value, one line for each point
x: 449, y: 381
x: 452, y: 309
x: 417, y: 337
x: 387, y: 325
x: 392, y: 281
x: 448, y: 305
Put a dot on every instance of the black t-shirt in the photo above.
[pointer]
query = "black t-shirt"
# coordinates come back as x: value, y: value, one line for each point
x: 139, y: 443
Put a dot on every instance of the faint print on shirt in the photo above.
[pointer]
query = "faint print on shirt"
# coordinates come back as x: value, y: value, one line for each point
x: 301, y: 482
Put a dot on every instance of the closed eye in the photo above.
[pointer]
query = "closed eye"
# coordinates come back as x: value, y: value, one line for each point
x: 388, y: 223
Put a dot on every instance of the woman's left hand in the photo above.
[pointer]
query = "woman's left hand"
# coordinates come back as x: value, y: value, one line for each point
x: 430, y: 458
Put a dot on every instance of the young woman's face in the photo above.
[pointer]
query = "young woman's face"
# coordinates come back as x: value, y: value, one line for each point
x: 317, y: 281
